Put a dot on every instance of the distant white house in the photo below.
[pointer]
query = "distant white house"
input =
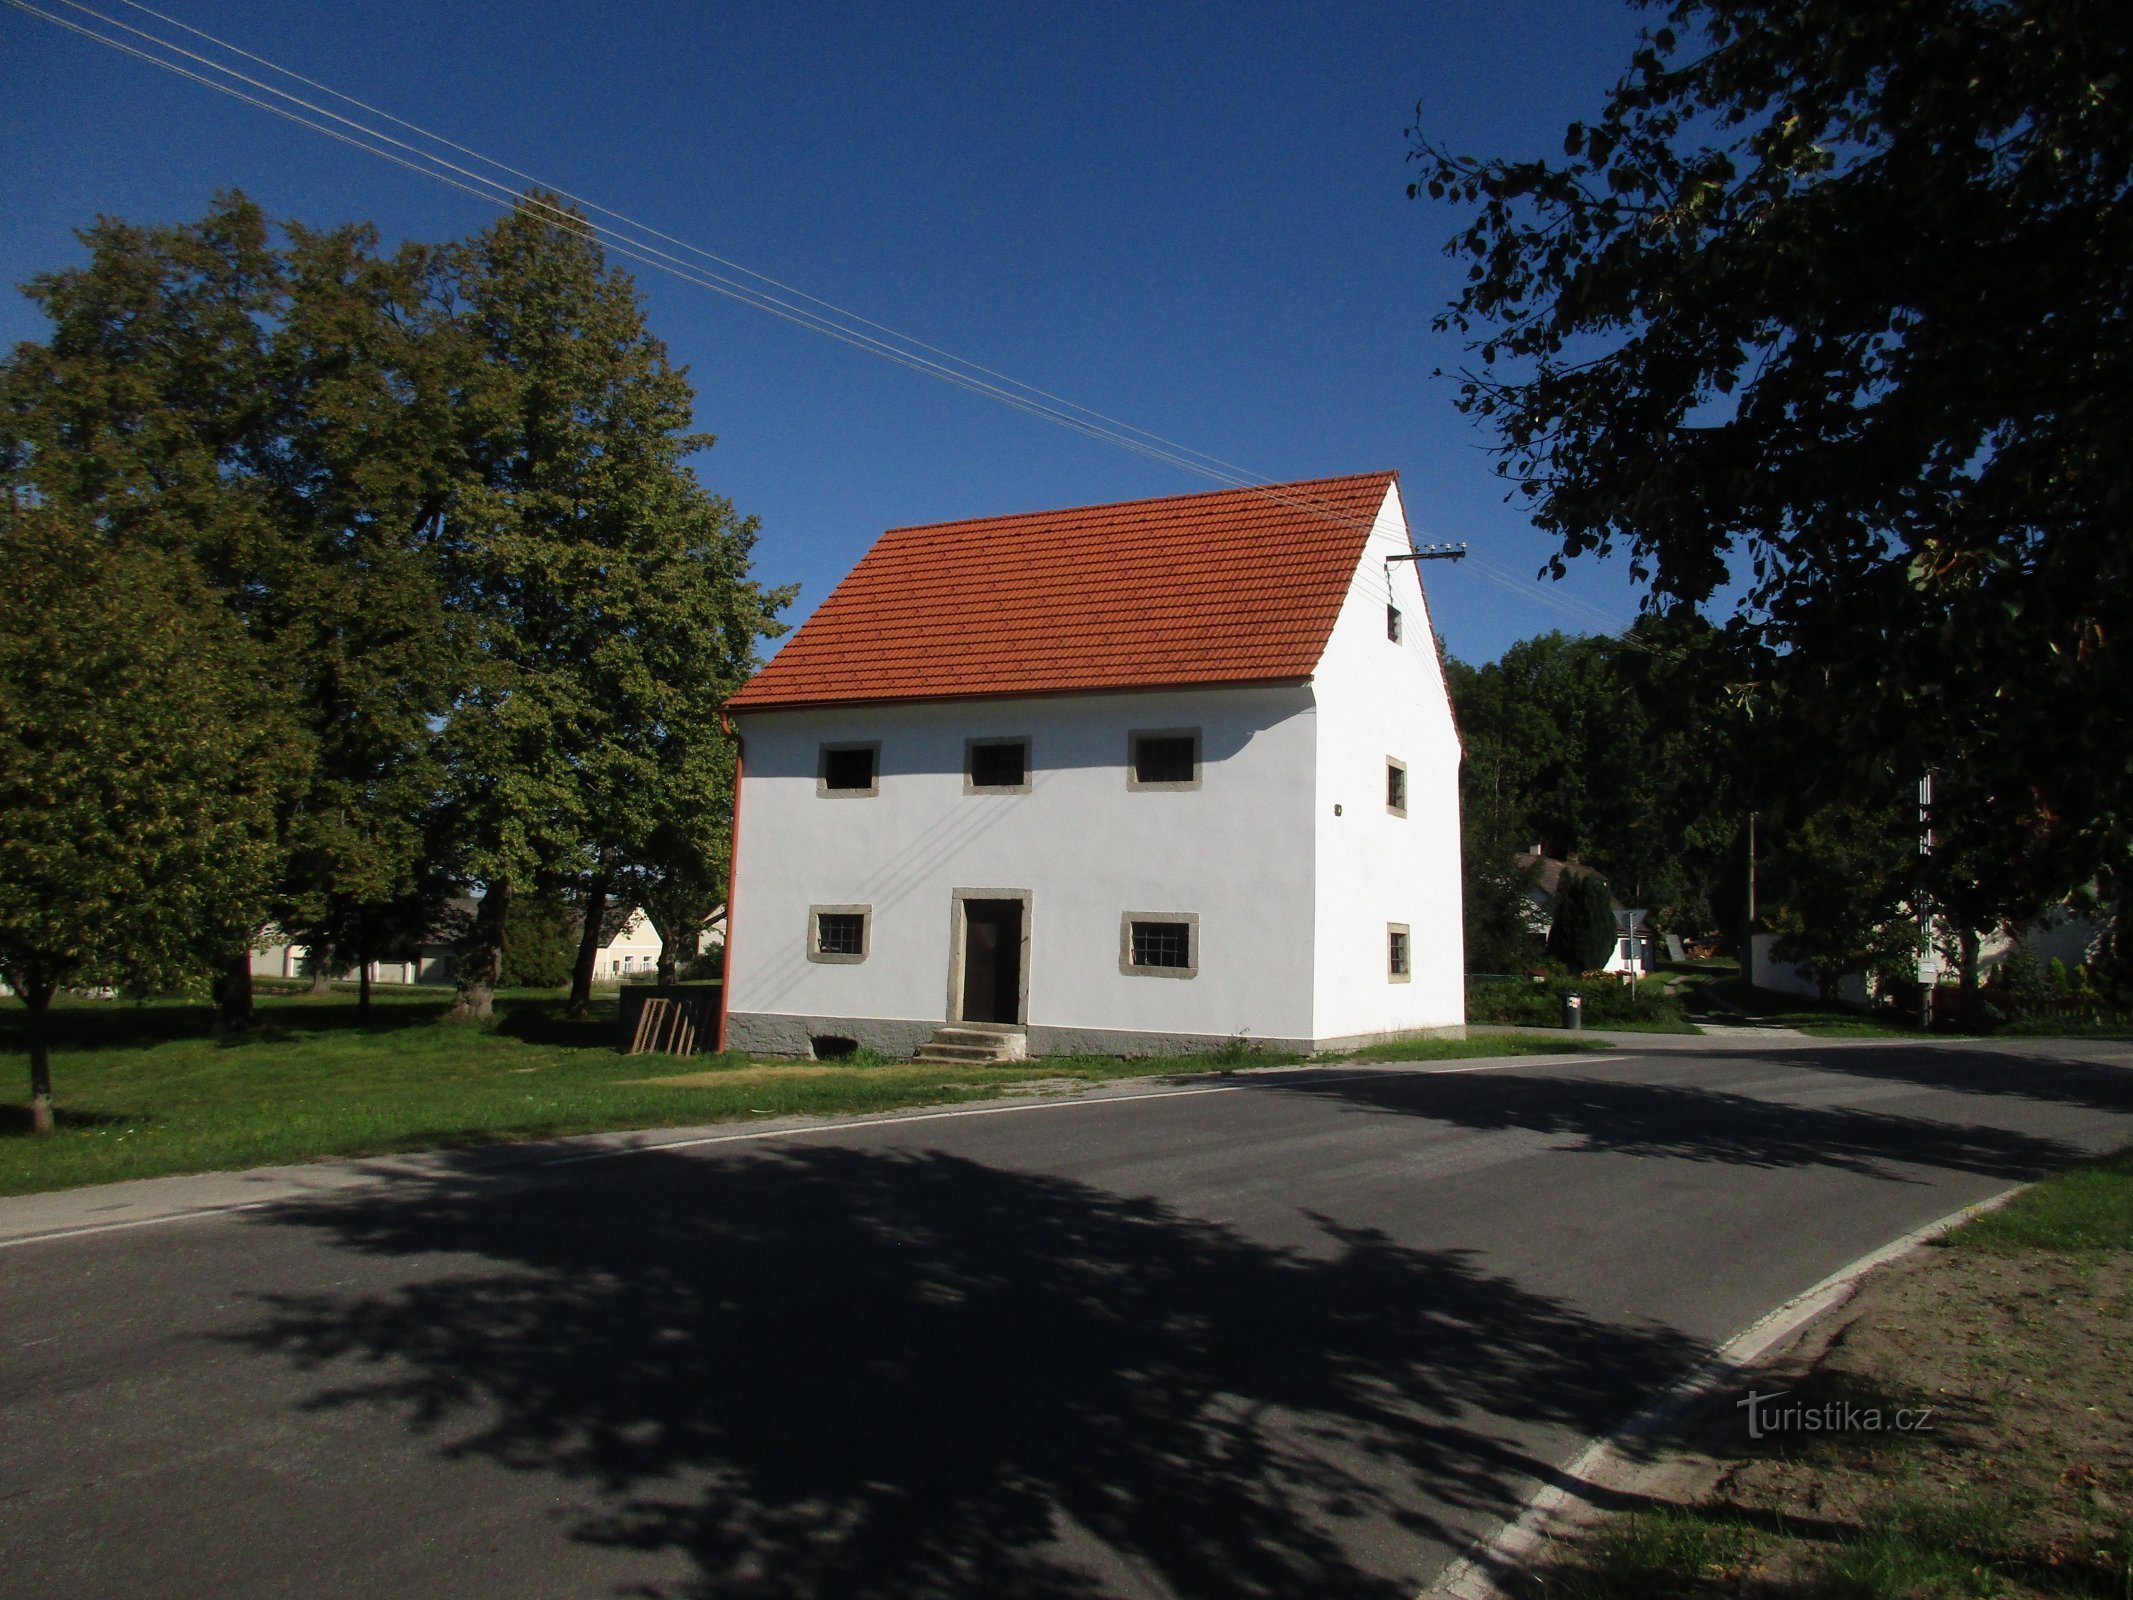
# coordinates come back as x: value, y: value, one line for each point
x: 2061, y: 936
x: 632, y: 951
x: 1130, y: 777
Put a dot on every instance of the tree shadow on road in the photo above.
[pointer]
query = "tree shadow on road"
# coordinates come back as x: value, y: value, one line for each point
x: 831, y: 1372
x: 2038, y: 1072
x: 1687, y: 1123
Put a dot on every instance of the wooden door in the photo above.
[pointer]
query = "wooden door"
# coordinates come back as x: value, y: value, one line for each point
x: 992, y: 961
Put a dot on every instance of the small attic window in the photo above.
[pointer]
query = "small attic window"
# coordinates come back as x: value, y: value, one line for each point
x: 1167, y: 758
x: 1393, y: 629
x: 848, y: 769
x: 996, y: 766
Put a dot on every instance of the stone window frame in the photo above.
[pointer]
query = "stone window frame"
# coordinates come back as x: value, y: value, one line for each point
x: 1133, y: 739
x: 1190, y: 920
x: 822, y: 755
x: 1400, y: 956
x: 1029, y: 766
x: 1393, y: 764
x: 839, y: 958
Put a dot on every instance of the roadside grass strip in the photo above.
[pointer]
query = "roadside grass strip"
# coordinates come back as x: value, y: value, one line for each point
x: 1965, y: 1433
x: 143, y: 1092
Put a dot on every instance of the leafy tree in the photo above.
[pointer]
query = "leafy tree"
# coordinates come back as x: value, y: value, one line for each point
x: 1830, y: 302
x: 369, y: 369
x: 608, y: 589
x: 680, y: 875
x: 1583, y: 933
x: 1840, y: 887
x: 1618, y: 750
x: 1497, y: 902
x: 284, y: 416
x: 141, y: 769
x: 146, y: 414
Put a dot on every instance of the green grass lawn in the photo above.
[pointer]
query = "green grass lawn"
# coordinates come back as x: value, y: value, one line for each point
x: 142, y: 1092
x: 2087, y: 1209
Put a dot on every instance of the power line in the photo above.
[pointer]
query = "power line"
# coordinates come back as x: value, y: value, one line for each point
x: 646, y: 228
x: 965, y: 374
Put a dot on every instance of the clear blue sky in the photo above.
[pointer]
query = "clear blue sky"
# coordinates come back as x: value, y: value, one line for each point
x: 1189, y: 216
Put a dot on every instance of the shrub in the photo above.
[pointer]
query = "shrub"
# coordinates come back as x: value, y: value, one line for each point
x: 540, y: 943
x: 2061, y: 983
x: 1583, y: 935
x: 2022, y: 976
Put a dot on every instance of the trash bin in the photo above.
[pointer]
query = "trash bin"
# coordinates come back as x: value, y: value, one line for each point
x: 1573, y: 1010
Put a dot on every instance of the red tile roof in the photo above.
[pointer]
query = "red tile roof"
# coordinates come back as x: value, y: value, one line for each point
x: 1238, y: 586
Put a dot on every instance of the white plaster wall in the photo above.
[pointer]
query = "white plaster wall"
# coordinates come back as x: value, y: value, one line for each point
x: 1766, y: 971
x: 1236, y: 851
x: 1377, y: 699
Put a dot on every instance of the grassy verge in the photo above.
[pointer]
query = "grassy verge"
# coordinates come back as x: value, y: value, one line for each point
x: 1609, y: 1003
x: 1808, y: 1016
x: 2013, y: 1347
x: 142, y: 1093
x: 1481, y: 1044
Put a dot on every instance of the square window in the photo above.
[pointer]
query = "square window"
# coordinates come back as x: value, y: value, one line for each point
x: 1396, y: 952
x: 849, y: 770
x: 1396, y: 787
x: 1156, y: 944
x: 1392, y: 623
x: 1164, y: 759
x: 837, y: 933
x: 996, y: 766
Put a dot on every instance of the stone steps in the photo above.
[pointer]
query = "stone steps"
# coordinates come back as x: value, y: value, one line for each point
x: 975, y: 1044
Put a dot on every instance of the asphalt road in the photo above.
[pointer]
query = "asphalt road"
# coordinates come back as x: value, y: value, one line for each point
x: 1282, y: 1335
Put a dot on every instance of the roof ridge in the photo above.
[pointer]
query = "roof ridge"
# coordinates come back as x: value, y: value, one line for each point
x: 1389, y: 474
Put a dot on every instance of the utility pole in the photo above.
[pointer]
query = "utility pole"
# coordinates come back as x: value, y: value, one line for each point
x: 1747, y: 942
x: 1928, y: 957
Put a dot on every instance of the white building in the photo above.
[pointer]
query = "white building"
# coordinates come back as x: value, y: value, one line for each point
x: 631, y: 951
x: 1132, y: 778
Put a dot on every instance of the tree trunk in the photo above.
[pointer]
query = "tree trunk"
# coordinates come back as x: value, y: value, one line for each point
x: 363, y: 991
x: 233, y: 994
x: 1967, y: 954
x: 321, y: 961
x: 581, y: 975
x: 37, y: 1001
x: 670, y: 940
x: 481, y: 963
